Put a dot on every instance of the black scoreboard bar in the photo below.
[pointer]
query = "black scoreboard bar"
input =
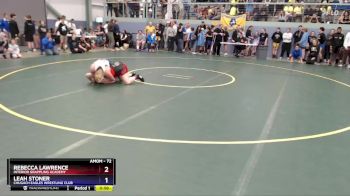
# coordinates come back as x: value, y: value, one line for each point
x: 90, y: 174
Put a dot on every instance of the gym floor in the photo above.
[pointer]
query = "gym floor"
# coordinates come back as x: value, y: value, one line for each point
x: 200, y: 125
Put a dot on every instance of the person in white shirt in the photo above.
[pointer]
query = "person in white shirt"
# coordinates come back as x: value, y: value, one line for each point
x: 14, y: 49
x: 187, y: 38
x: 346, y: 54
x: 286, y: 43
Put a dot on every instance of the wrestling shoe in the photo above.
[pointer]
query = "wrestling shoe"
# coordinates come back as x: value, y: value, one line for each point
x: 139, y: 77
x: 132, y: 74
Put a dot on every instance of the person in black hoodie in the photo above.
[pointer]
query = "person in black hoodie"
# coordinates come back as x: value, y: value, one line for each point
x: 14, y: 31
x: 276, y: 41
x: 29, y: 31
x: 314, y: 50
x: 297, y: 35
x: 73, y: 44
x: 337, y: 42
x: 42, y: 30
x: 63, y: 31
x: 218, y: 35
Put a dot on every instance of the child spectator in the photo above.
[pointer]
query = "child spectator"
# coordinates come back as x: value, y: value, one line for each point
x: 140, y: 41
x: 29, y: 30
x: 83, y: 45
x: 124, y: 39
x: 73, y: 44
x: 48, y: 45
x: 3, y: 45
x: 14, y: 49
x: 296, y: 54
x: 313, y: 52
x: 263, y: 37
x: 62, y: 29
x: 151, y: 41
x: 14, y: 31
x: 276, y: 41
x: 42, y: 30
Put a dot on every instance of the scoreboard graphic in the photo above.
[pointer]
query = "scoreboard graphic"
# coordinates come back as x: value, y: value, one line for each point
x: 91, y: 174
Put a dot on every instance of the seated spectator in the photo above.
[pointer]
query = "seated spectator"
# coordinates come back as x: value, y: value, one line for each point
x: 48, y: 45
x: 124, y: 39
x: 298, y: 13
x: 241, y: 41
x: 3, y: 45
x: 296, y: 54
x: 100, y: 36
x: 84, y: 45
x: 151, y: 42
x: 281, y: 17
x: 73, y: 44
x: 344, y: 18
x: 314, y: 49
x: 14, y: 49
x: 140, y: 41
x: 314, y: 19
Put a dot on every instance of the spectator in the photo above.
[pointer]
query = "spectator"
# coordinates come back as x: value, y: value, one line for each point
x: 225, y: 39
x: 171, y: 33
x: 62, y: 30
x: 304, y: 42
x: 314, y: 19
x: 298, y: 13
x: 312, y: 36
x: 71, y: 26
x: 314, y: 51
x: 337, y: 42
x: 29, y: 30
x: 282, y: 16
x: 160, y: 33
x: 116, y: 34
x: 346, y: 55
x: 140, y: 41
x: 193, y: 39
x: 164, y: 4
x: 296, y: 54
x: 13, y: 27
x: 286, y: 43
x: 201, y: 40
x: 84, y: 45
x: 100, y: 35
x: 276, y: 41
x: 42, y: 30
x: 150, y: 28
x: 151, y: 41
x: 48, y: 45
x: 298, y: 34
x: 4, y: 24
x: 14, y: 49
x: 3, y: 44
x: 186, y: 8
x: 241, y: 44
x: 218, y: 38
x: 322, y: 43
x: 263, y: 37
x: 208, y: 40
x: 187, y: 37
x: 124, y: 39
x: 327, y: 50
x: 180, y: 38
x: 111, y: 34
x: 74, y: 44
x: 344, y: 18
x: 109, y: 8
